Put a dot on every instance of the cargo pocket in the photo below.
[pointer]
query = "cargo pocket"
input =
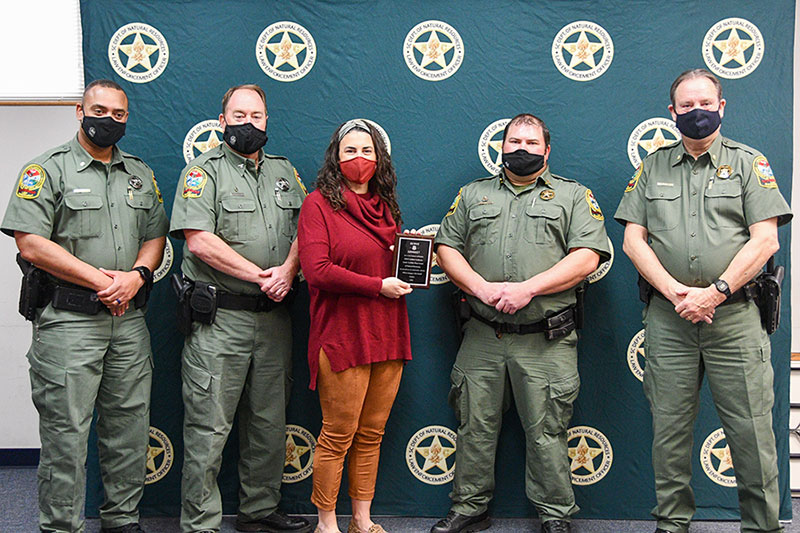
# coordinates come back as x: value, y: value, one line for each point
x: 759, y: 379
x: 559, y: 409
x: 83, y: 217
x: 457, y: 397
x: 197, y: 383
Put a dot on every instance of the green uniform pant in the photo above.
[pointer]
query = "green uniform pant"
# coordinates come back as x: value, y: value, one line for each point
x: 543, y: 377
x: 239, y: 364
x: 80, y: 363
x: 734, y: 352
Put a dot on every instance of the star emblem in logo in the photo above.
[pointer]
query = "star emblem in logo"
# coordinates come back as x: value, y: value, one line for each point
x: 152, y: 453
x: 294, y: 452
x: 583, y: 456
x: 299, y: 458
x: 435, y: 455
x: 286, y: 51
x: 428, y: 452
x: 715, y: 449
x: 138, y: 52
x: 159, y: 456
x: 433, y: 50
x: 582, y: 51
x: 724, y: 456
x: 650, y: 135
x: 212, y: 141
x: 657, y: 141
x: 733, y: 47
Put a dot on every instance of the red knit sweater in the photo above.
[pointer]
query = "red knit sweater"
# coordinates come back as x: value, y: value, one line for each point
x: 344, y: 264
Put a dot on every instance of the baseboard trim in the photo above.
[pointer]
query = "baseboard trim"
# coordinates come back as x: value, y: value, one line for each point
x: 19, y: 456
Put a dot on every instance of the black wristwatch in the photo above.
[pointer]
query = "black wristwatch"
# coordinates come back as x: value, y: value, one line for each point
x: 146, y: 274
x: 723, y: 287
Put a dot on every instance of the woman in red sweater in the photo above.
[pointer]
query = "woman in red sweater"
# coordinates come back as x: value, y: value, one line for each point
x: 359, y: 336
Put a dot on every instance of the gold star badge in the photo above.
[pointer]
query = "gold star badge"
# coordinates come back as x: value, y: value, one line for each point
x: 733, y: 48
x: 582, y: 456
x: 138, y: 52
x: 497, y: 146
x: 433, y: 51
x: 294, y: 452
x: 212, y: 141
x: 152, y: 453
x: 658, y: 140
x: 725, y: 459
x: 286, y: 51
x: 435, y: 455
x: 582, y: 51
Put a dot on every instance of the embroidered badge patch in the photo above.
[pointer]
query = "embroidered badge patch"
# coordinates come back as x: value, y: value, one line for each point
x: 158, y: 191
x: 454, y: 204
x: 764, y: 172
x: 634, y: 181
x: 194, y: 182
x: 594, y: 207
x: 30, y: 182
x: 299, y: 181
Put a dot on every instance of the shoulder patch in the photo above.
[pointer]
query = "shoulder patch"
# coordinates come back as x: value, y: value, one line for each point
x: 158, y: 191
x: 594, y: 207
x: 299, y: 181
x: 30, y: 182
x: 194, y: 182
x: 764, y: 172
x: 454, y: 205
x: 634, y: 181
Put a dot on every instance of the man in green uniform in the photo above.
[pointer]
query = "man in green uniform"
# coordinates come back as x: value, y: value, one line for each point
x: 237, y: 208
x: 518, y: 243
x: 90, y: 216
x: 701, y: 219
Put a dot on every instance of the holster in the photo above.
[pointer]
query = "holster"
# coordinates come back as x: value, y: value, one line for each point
x: 203, y: 302
x: 183, y: 291
x: 769, y: 295
x: 32, y: 294
x: 461, y: 309
x: 645, y: 290
x: 580, y: 293
x: 77, y: 299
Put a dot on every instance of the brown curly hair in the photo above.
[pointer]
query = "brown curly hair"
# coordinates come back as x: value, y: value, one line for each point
x: 384, y: 183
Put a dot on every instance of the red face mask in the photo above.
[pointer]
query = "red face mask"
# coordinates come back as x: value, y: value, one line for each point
x: 359, y: 169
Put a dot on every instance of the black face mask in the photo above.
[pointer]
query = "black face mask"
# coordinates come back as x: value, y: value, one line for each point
x: 523, y: 163
x: 698, y: 123
x: 244, y: 138
x: 102, y: 131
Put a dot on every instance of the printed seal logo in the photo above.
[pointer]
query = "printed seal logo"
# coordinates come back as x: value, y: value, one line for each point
x: 603, y: 269
x: 160, y: 456
x: 715, y: 458
x: 490, y: 146
x: 437, y: 276
x: 590, y: 454
x: 138, y: 52
x: 30, y: 182
x: 381, y: 132
x: 286, y: 51
x: 762, y: 169
x: 636, y: 355
x: 166, y: 262
x: 433, y: 50
x: 300, y: 446
x: 201, y: 138
x: 582, y: 50
x: 430, y: 455
x: 733, y: 48
x: 649, y: 136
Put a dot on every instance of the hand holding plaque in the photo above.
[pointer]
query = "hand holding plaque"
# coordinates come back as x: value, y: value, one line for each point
x: 413, y: 259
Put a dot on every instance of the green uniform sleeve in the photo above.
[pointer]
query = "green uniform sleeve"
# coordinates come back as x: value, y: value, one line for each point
x: 195, y: 202
x: 157, y: 221
x: 452, y: 230
x: 761, y: 197
x: 32, y: 205
x: 633, y: 207
x: 587, y: 228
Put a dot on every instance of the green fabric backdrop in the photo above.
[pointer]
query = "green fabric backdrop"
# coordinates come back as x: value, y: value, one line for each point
x: 504, y: 57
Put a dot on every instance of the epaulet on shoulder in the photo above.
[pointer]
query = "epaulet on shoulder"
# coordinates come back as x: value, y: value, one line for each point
x: 127, y: 155
x: 663, y: 148
x: 272, y: 156
x: 728, y: 143
x: 214, y: 153
x: 42, y: 159
x: 562, y: 178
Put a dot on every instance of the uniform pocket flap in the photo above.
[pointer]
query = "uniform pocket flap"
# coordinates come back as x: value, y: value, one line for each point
x: 140, y: 201
x: 234, y: 205
x: 47, y: 372
x: 484, y: 211
x: 564, y: 387
x: 724, y: 189
x: 662, y: 193
x: 543, y: 210
x: 83, y: 201
x: 288, y: 200
x: 199, y: 376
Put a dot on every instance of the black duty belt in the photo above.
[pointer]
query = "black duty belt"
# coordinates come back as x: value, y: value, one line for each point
x: 559, y: 325
x: 243, y: 302
x: 69, y: 297
x: 743, y: 294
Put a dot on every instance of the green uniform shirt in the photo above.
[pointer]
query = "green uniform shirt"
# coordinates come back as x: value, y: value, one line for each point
x: 510, y: 236
x: 255, y: 212
x: 99, y: 212
x: 698, y: 212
